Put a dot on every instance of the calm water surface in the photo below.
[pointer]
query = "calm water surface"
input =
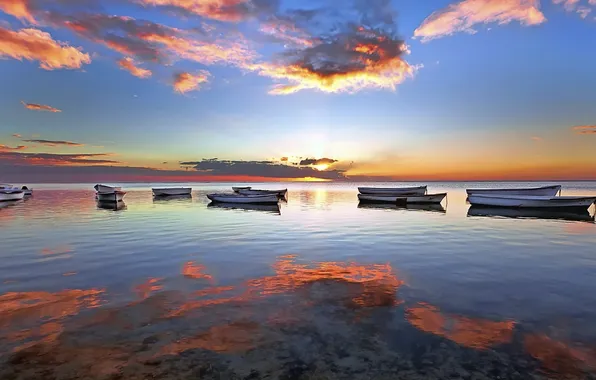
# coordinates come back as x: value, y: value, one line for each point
x: 321, y: 287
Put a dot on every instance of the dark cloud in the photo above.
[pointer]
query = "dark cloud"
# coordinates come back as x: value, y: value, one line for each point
x: 317, y: 161
x: 260, y: 169
x: 54, y: 142
x: 17, y: 158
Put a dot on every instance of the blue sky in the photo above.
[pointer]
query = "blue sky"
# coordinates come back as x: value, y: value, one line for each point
x: 477, y: 103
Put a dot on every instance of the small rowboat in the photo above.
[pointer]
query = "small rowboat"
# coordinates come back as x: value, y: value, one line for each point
x: 11, y: 194
x: 172, y: 191
x: 390, y: 198
x: 27, y: 190
x: 280, y: 193
x: 238, y: 188
x: 240, y: 198
x: 111, y: 196
x: 105, y: 188
x: 417, y: 190
x: 520, y: 201
x: 547, y: 191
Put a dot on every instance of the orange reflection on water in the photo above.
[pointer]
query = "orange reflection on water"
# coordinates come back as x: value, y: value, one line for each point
x: 469, y: 332
x: 26, y: 309
x: 378, y: 283
x: 558, y: 357
x: 191, y: 270
x: 145, y: 289
x: 60, y: 250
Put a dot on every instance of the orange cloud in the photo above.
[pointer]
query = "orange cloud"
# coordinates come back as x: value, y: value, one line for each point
x: 185, y: 82
x: 16, y: 135
x: 51, y: 159
x: 128, y: 64
x: 585, y: 129
x: 35, y: 45
x: 222, y: 10
x: 5, y: 148
x: 40, y: 107
x: 20, y: 9
x: 355, y: 60
x: 461, y: 17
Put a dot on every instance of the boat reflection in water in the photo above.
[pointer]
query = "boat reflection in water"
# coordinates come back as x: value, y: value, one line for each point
x: 186, y: 198
x: 433, y: 207
x: 6, y: 204
x: 114, y: 206
x: 268, y: 208
x: 570, y: 215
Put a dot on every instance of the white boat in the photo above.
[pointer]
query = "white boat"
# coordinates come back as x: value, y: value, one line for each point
x: 111, y: 196
x: 391, y: 198
x: 417, y: 190
x: 280, y: 193
x: 238, y: 188
x: 172, y: 191
x: 27, y: 190
x: 547, y: 191
x: 105, y: 188
x: 240, y: 198
x: 11, y: 194
x: 522, y: 201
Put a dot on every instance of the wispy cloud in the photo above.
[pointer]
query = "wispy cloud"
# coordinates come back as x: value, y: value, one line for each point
x: 537, y: 138
x: 40, y: 107
x: 222, y: 10
x: 36, y: 45
x: 16, y: 135
x: 463, y: 16
x: 129, y: 65
x: 51, y: 159
x: 186, y: 82
x: 54, y: 142
x: 5, y: 148
x: 20, y: 9
x: 583, y: 9
x: 585, y: 129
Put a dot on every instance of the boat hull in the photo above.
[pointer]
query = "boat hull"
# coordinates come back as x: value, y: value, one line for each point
x: 417, y: 190
x: 238, y: 188
x: 546, y: 191
x: 105, y: 188
x: 113, y: 196
x: 390, y: 198
x: 114, y: 206
x: 11, y: 195
x: 240, y: 199
x: 172, y: 192
x: 531, y: 201
x: 280, y: 193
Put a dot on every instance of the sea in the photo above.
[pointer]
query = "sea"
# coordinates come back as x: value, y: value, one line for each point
x: 321, y: 287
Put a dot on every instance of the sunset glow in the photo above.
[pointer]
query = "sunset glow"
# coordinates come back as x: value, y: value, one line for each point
x: 368, y: 93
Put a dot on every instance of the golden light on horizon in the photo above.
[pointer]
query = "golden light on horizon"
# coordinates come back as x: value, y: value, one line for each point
x: 321, y: 167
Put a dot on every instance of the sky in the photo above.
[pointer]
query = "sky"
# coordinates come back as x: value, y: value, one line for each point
x: 258, y: 90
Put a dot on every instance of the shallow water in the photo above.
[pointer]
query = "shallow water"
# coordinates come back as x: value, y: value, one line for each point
x: 320, y: 288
